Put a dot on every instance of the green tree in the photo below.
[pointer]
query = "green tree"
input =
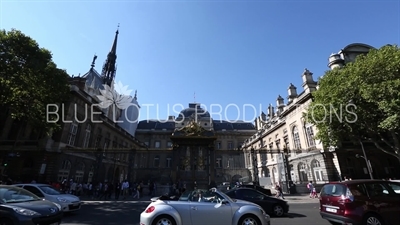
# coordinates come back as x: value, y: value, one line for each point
x: 29, y: 80
x: 361, y: 101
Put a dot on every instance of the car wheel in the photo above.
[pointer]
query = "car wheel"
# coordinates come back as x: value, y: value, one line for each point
x: 278, y: 210
x: 164, y: 220
x: 373, y: 219
x: 5, y: 221
x: 249, y: 220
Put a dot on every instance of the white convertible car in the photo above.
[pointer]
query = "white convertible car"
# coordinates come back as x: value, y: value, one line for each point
x: 201, y: 207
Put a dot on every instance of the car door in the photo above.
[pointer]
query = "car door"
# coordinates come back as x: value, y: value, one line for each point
x: 210, y: 211
x: 255, y: 196
x: 384, y: 200
x: 34, y: 190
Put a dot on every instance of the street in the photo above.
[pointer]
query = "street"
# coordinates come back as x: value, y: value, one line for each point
x: 127, y: 213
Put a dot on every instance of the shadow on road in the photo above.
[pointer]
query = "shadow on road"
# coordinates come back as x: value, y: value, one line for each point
x: 294, y: 215
x: 113, y: 213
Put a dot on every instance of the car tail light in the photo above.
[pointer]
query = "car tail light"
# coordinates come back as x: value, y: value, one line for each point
x: 349, y: 197
x: 150, y: 209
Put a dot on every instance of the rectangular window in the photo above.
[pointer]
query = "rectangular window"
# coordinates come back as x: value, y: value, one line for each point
x: 72, y: 133
x: 168, y: 163
x: 310, y: 136
x: 157, y: 144
x: 87, y: 136
x: 218, y: 145
x: 218, y: 163
x: 169, y: 144
x: 156, y: 161
x: 230, y: 145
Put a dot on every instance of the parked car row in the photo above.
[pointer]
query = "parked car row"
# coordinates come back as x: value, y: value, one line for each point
x: 31, y: 204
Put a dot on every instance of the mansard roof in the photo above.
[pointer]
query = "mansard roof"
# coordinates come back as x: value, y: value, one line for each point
x: 219, y: 125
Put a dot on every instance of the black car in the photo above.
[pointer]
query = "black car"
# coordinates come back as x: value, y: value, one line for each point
x: 18, y: 206
x: 273, y: 206
x: 258, y: 188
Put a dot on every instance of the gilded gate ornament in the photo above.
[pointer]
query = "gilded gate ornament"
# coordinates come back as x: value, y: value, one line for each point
x: 193, y: 129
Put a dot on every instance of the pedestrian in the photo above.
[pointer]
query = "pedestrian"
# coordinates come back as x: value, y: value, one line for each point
x: 117, y: 190
x: 310, y: 187
x: 279, y: 192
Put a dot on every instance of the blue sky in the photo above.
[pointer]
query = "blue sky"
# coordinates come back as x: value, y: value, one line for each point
x: 226, y: 52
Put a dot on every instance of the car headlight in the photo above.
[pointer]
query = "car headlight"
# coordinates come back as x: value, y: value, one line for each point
x: 62, y: 200
x: 58, y: 205
x: 25, y: 212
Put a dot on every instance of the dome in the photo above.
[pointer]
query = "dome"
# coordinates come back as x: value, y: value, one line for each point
x: 193, y: 111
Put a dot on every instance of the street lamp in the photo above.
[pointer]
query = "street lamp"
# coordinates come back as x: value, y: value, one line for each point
x: 369, y: 167
x: 255, y: 166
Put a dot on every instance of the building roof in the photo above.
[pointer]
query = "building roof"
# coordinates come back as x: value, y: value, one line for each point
x: 218, y: 125
x: 193, y: 111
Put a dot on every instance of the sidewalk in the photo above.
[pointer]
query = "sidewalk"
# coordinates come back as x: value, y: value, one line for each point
x: 112, y: 199
x: 291, y: 199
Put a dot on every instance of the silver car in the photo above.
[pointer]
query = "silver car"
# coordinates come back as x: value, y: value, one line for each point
x: 69, y: 203
x: 201, y: 207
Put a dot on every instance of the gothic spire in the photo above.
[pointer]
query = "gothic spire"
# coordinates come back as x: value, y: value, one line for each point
x: 109, y: 67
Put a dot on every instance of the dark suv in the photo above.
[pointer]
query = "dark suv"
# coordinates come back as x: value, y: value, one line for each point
x: 361, y: 202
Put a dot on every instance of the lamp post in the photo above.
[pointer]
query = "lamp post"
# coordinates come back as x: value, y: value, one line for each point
x: 255, y: 167
x: 368, y: 163
x: 369, y: 167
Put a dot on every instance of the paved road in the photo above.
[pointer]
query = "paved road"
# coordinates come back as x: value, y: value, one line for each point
x: 127, y: 213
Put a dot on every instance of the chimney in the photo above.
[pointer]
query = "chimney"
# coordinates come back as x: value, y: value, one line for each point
x: 271, y: 111
x: 292, y: 93
x: 280, y: 104
x: 309, y: 84
x: 194, y: 105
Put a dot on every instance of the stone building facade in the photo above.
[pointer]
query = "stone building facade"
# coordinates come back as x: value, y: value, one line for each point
x: 208, y: 153
x: 285, y: 148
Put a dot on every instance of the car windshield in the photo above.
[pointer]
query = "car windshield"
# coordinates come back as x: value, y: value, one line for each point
x: 49, y: 190
x: 335, y: 190
x: 10, y: 194
x: 194, y: 195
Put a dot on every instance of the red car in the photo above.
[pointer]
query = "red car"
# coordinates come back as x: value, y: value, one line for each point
x: 361, y: 202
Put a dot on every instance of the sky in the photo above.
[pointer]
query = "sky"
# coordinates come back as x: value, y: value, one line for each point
x: 233, y: 57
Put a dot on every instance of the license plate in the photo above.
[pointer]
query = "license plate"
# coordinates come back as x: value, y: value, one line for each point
x: 331, y: 210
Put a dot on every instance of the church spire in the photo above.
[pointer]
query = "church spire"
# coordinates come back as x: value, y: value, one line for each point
x: 109, y: 67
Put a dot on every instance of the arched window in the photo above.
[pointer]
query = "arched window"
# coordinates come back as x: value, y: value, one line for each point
x: 87, y: 136
x: 66, y: 165
x: 296, y: 138
x: 302, y: 168
x: 63, y: 172
x: 318, y: 173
